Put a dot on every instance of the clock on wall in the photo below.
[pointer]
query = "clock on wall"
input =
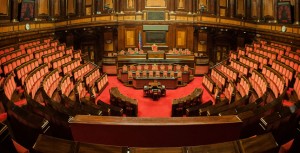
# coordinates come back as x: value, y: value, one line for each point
x: 283, y: 29
x: 27, y: 26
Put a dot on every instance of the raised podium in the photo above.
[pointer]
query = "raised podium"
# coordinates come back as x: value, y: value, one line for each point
x: 156, y: 55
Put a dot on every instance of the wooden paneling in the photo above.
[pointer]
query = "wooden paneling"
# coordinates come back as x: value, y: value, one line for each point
x: 223, y: 3
x: 202, y: 41
x: 240, y: 7
x: 181, y: 4
x: 4, y: 7
x: 181, y: 38
x: 254, y: 8
x: 190, y: 38
x: 108, y: 3
x: 268, y: 8
x: 130, y: 4
x: 43, y: 7
x: 223, y: 7
x: 56, y: 7
x: 222, y: 11
x: 70, y: 7
x: 130, y: 37
x: 155, y: 4
x: 202, y: 2
x: 108, y: 41
x: 88, y: 7
x: 88, y: 2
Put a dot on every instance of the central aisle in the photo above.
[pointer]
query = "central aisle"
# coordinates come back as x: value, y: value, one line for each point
x: 146, y: 106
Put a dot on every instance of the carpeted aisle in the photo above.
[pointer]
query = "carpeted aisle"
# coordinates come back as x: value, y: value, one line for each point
x: 146, y: 106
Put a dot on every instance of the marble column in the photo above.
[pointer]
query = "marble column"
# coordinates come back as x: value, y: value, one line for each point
x: 139, y: 6
x: 15, y: 11
x: 190, y: 6
x: 172, y: 6
x: 232, y: 8
x: 217, y: 3
x: 259, y: 10
x: 63, y: 11
x: 275, y: 11
x: 297, y: 11
x: 51, y: 8
x: 79, y: 8
x: 194, y: 6
x: 121, y: 6
x: 117, y: 6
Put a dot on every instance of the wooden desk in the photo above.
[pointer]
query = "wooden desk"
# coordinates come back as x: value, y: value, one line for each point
x: 156, y: 55
x: 129, y: 105
x: 155, y: 90
x: 155, y: 132
x: 263, y: 143
x: 139, y: 83
x: 48, y: 144
x: 123, y: 76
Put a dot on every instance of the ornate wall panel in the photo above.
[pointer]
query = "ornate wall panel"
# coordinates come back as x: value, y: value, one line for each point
x: 291, y: 1
x: 56, y: 7
x: 43, y: 7
x: 108, y: 41
x: 181, y: 38
x: 222, y: 12
x: 223, y: 3
x: 108, y: 3
x: 240, y: 7
x: 155, y: 4
x: 254, y: 9
x: 130, y: 37
x: 27, y: 10
x: 223, y: 7
x: 88, y: 7
x: 202, y: 2
x: 181, y: 4
x: 4, y: 7
x: 268, y: 8
x: 202, y: 41
x: 130, y: 4
x: 71, y: 7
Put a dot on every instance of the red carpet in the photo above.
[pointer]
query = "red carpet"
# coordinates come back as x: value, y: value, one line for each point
x: 146, y: 106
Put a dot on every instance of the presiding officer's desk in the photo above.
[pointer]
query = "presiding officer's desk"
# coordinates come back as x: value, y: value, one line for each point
x: 155, y: 132
x: 140, y: 82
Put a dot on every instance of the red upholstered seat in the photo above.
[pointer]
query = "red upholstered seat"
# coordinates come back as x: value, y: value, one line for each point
x: 21, y: 102
x: 287, y: 103
x: 3, y: 117
x: 286, y: 147
x: 19, y: 148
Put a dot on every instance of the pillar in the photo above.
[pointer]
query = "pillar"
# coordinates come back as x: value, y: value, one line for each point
x: 190, y: 6
x: 275, y: 11
x: 121, y: 6
x: 259, y: 10
x: 15, y: 11
x: 51, y: 8
x: 117, y: 6
x: 79, y: 7
x: 297, y: 7
x: 63, y: 11
x: 172, y: 6
x: 232, y: 8
x: 35, y: 13
x: 217, y: 3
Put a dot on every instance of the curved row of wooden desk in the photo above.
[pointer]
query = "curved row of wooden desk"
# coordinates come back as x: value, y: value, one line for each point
x: 129, y: 105
x: 260, y: 144
x: 155, y: 132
